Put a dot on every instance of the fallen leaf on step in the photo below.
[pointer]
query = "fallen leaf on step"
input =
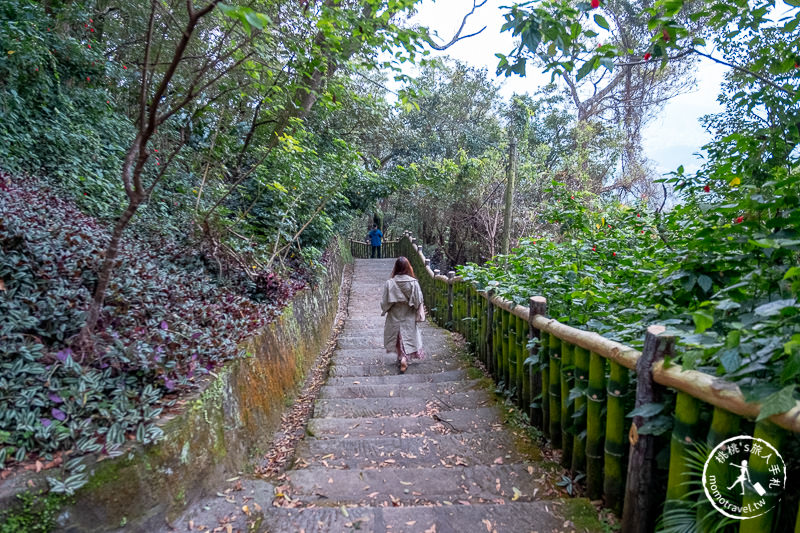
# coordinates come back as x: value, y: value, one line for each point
x: 487, y: 524
x: 432, y: 529
x: 517, y: 494
x: 405, y: 483
x: 229, y: 528
x: 246, y: 510
x: 530, y: 470
x: 498, y: 461
x: 411, y: 523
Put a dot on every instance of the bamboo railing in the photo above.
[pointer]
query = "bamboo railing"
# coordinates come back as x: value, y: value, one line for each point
x: 578, y: 389
x: 363, y: 250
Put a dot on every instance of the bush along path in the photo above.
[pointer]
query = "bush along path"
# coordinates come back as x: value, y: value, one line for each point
x: 426, y: 451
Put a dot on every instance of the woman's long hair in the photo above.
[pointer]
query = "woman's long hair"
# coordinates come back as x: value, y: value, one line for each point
x: 403, y: 267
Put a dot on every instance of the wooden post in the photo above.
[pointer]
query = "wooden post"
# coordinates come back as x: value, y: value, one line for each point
x: 579, y: 419
x: 638, y: 515
x: 595, y: 400
x: 537, y: 305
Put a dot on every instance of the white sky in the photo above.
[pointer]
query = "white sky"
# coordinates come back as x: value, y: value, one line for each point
x: 671, y: 139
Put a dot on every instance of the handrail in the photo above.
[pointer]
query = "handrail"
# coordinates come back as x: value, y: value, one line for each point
x: 710, y: 389
x: 569, y: 360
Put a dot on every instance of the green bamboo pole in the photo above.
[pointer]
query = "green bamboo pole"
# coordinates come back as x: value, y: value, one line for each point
x: 544, y: 362
x: 759, y: 467
x: 505, y: 336
x: 724, y: 425
x: 567, y: 406
x: 581, y: 356
x: 497, y: 344
x: 537, y: 305
x: 616, y: 444
x: 523, y: 380
x: 684, y: 435
x: 489, y: 333
x: 595, y: 437
x: 555, y: 391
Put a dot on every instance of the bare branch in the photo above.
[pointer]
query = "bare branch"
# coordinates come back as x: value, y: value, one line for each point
x: 458, y: 37
x: 745, y: 71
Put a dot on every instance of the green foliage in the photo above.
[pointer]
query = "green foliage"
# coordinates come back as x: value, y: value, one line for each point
x: 58, y: 116
x: 34, y: 513
x: 718, y: 269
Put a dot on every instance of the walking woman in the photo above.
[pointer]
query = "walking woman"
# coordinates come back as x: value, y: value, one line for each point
x: 403, y: 306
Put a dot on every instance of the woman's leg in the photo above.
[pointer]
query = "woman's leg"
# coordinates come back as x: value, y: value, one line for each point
x: 402, y: 359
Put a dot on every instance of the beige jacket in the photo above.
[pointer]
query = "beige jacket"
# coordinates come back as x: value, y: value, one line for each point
x: 402, y: 297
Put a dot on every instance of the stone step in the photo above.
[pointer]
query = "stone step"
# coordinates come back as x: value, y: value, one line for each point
x: 515, y: 517
x: 414, y: 486
x: 397, y: 390
x: 465, y: 420
x: 399, y: 379
x: 407, y: 405
x: 426, y: 366
x: 461, y: 449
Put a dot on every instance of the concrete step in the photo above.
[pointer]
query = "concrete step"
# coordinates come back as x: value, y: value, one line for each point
x: 515, y: 517
x: 407, y: 405
x: 426, y: 366
x: 461, y: 449
x: 399, y: 379
x: 466, y: 420
x: 415, y: 486
x: 398, y: 390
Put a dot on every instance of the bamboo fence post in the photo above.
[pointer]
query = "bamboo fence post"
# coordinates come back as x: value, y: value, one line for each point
x: 555, y: 391
x: 435, y: 291
x: 759, y: 467
x: 525, y: 370
x: 497, y: 345
x: 595, y: 399
x: 505, y: 336
x: 581, y: 356
x: 724, y: 425
x: 537, y: 306
x: 468, y: 313
x: 489, y: 328
x: 684, y: 435
x: 615, y: 446
x: 544, y: 363
x: 450, y: 292
x: 638, y: 514
x: 567, y: 432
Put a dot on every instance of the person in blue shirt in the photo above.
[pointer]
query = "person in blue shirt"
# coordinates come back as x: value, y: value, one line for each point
x: 375, y: 237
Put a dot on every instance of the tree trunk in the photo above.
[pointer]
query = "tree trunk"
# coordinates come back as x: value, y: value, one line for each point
x: 509, y: 198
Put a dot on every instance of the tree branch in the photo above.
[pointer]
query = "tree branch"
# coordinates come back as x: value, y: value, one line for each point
x: 458, y: 37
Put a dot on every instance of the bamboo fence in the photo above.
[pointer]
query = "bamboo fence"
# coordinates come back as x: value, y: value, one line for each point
x: 578, y: 389
x: 363, y: 250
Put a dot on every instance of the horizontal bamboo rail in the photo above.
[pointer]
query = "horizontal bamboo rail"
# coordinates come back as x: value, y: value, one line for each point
x: 583, y: 387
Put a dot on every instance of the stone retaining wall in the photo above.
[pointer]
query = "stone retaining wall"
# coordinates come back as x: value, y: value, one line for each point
x: 219, y: 431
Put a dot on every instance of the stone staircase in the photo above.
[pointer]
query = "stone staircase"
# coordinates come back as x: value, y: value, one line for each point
x: 426, y: 451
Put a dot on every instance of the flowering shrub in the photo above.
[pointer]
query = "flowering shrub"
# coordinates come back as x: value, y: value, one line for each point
x: 167, y: 321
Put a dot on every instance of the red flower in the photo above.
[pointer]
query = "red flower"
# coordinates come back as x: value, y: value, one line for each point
x: 91, y: 30
x: 706, y: 189
x: 642, y: 231
x: 88, y: 78
x: 89, y: 46
x: 572, y: 197
x: 639, y: 215
x: 595, y: 4
x: 534, y: 242
x: 740, y: 220
x: 614, y: 253
x: 594, y: 249
x: 37, y: 69
x: 108, y: 101
x: 647, y: 56
x: 124, y: 67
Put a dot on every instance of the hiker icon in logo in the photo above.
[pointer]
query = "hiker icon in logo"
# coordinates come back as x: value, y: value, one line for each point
x: 744, y: 477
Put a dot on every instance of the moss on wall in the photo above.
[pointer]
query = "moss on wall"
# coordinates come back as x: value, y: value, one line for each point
x: 237, y: 409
